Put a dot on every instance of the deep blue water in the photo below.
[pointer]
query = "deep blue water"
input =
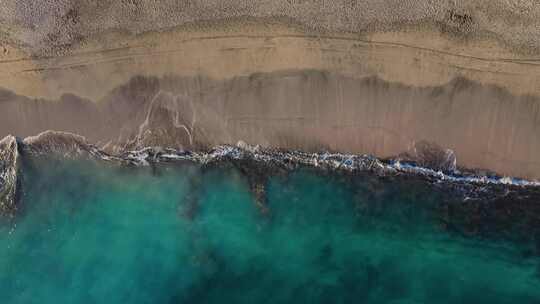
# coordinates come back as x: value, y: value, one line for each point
x: 96, y: 233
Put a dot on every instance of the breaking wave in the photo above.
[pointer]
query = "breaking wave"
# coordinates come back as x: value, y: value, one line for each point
x: 68, y: 145
x: 324, y: 160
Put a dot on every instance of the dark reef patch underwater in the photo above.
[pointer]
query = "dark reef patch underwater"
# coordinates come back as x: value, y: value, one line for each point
x: 96, y: 232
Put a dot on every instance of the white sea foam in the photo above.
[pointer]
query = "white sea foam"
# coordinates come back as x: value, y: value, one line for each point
x: 326, y: 160
x: 69, y: 146
x: 57, y: 142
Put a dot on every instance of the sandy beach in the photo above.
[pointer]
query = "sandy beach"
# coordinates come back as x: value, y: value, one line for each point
x: 357, y: 77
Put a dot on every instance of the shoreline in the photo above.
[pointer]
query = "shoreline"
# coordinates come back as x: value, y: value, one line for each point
x: 468, y: 204
x: 60, y: 145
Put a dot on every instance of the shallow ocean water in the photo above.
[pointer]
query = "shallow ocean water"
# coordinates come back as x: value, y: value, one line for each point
x: 96, y: 233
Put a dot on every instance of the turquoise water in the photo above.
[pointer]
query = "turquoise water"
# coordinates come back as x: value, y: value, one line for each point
x: 95, y: 233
